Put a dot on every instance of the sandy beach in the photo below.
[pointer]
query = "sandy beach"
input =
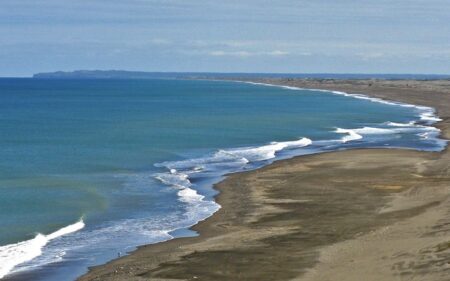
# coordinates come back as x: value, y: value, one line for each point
x: 366, y: 214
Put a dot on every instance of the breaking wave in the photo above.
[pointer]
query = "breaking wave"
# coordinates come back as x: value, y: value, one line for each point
x: 15, y: 254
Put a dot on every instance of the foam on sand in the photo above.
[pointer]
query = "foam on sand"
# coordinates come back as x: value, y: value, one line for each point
x: 351, y: 135
x: 395, y: 124
x: 266, y: 152
x: 394, y: 128
x: 226, y: 160
x: 234, y: 157
x: 180, y: 181
x: 178, y: 174
x: 429, y: 116
x: 426, y: 114
x: 14, y: 254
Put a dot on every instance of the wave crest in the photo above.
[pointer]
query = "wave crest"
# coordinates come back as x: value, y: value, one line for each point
x: 14, y: 254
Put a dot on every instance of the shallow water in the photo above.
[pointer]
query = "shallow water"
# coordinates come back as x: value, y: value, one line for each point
x: 101, y: 166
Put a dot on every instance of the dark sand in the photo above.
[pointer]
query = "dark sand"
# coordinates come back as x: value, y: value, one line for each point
x: 367, y: 214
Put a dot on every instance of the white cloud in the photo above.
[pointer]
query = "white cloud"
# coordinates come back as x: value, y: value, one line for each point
x: 247, y: 53
x: 277, y: 53
x: 230, y: 53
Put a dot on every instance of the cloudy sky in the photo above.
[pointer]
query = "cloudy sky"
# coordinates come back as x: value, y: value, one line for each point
x: 341, y: 36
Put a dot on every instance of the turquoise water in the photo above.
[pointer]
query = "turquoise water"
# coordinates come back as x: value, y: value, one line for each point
x: 128, y: 162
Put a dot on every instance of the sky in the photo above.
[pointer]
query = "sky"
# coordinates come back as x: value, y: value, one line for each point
x: 284, y: 36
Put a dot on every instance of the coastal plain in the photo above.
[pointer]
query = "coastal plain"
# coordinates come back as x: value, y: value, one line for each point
x: 363, y: 214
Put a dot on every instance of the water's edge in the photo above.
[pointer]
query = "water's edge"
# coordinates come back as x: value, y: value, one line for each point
x: 430, y: 117
x: 243, y: 159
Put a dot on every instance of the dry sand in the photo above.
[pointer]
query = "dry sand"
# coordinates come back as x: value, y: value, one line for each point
x: 367, y: 214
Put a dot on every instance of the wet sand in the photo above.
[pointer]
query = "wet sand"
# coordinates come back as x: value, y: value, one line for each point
x: 366, y: 214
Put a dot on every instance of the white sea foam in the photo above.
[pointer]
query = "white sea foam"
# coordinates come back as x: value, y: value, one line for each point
x: 175, y: 179
x: 351, y: 135
x: 14, y: 254
x: 424, y: 136
x: 429, y: 116
x: 189, y: 195
x: 266, y: 152
x: 225, y: 160
x: 395, y: 124
x: 375, y: 131
x: 426, y: 114
x: 424, y: 132
x: 412, y: 126
x: 197, y: 164
x: 182, y: 182
x: 236, y: 157
x: 197, y: 207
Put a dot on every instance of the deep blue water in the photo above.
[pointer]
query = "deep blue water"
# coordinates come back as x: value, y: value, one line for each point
x: 127, y: 162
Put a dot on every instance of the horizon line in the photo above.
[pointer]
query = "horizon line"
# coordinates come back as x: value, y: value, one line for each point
x: 229, y: 72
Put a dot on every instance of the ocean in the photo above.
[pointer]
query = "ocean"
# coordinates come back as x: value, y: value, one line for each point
x: 90, y: 169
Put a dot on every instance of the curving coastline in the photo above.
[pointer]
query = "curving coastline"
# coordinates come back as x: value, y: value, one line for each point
x: 276, y: 224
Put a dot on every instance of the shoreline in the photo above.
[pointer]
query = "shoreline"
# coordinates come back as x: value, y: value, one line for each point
x: 129, y: 267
